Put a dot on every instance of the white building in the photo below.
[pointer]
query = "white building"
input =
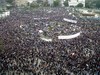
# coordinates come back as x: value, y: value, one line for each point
x: 76, y: 2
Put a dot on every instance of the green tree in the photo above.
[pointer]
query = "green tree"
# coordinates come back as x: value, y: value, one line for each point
x: 80, y: 5
x: 39, y: 1
x: 10, y: 1
x: 66, y: 3
x: 10, y: 4
x: 98, y: 4
x: 56, y: 3
x: 34, y: 5
x: 92, y: 4
x: 87, y: 5
x: 45, y: 4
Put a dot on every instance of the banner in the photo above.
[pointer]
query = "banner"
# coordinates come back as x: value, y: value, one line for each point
x: 69, y: 20
x: 69, y: 36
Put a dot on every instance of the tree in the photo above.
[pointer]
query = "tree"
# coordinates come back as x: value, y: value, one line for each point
x: 56, y: 3
x: 34, y: 5
x: 87, y: 5
x: 2, y: 5
x: 39, y: 1
x: 45, y: 4
x: 92, y: 4
x: 65, y: 3
x: 98, y: 3
x: 10, y: 1
x: 10, y: 4
x: 80, y: 5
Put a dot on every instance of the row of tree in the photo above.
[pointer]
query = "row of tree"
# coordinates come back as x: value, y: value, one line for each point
x: 88, y: 3
x: 56, y: 3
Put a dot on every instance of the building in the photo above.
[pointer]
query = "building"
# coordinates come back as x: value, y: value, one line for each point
x: 76, y: 2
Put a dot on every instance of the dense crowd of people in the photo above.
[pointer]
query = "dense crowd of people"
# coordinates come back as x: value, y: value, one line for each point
x: 25, y: 53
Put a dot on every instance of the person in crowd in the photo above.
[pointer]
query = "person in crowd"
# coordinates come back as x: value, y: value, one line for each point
x: 26, y: 54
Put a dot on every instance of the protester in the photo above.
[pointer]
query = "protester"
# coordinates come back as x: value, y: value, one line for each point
x: 25, y: 53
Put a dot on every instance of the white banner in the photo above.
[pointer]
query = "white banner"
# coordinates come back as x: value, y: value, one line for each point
x: 69, y: 36
x: 69, y: 20
x: 45, y: 39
